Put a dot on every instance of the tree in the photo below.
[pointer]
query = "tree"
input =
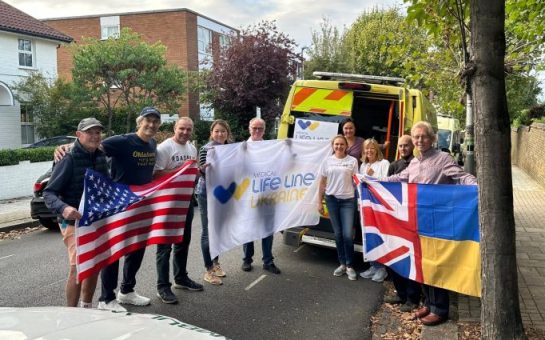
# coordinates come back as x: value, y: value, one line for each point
x: 126, y: 70
x: 56, y: 106
x: 326, y: 52
x: 255, y: 70
x: 500, y: 312
x: 382, y: 42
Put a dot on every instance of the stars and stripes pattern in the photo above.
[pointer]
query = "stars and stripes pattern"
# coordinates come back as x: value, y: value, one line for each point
x: 118, y: 219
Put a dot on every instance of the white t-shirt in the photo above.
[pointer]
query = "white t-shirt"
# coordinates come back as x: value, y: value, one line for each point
x: 380, y: 168
x: 338, y: 172
x: 171, y: 155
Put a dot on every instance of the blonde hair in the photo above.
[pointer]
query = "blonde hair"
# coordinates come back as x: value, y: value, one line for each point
x: 223, y: 124
x: 374, y: 144
x: 139, y: 120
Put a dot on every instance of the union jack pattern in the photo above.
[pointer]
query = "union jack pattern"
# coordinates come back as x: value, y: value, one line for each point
x: 389, y: 226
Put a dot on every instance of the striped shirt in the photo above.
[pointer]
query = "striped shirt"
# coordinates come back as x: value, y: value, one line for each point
x: 433, y: 167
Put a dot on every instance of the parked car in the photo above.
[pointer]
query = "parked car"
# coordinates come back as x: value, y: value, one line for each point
x: 53, y: 141
x: 38, y: 209
x: 87, y: 323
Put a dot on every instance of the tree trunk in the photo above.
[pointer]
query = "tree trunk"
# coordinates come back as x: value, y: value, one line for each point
x: 500, y: 311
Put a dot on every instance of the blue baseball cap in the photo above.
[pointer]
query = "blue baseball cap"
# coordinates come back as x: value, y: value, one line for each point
x: 150, y: 110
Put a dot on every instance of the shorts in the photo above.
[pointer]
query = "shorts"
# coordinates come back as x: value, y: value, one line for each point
x: 69, y: 238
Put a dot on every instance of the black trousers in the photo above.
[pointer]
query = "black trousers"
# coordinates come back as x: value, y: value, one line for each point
x: 407, y: 290
x: 109, y: 275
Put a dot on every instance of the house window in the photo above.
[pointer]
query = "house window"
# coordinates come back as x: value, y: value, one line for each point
x: 224, y: 41
x: 25, y: 53
x: 109, y: 27
x: 27, y: 125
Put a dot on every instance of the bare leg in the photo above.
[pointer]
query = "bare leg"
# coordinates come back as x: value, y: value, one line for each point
x: 88, y: 288
x: 72, y: 288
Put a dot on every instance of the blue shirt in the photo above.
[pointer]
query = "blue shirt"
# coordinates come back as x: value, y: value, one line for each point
x: 132, y: 158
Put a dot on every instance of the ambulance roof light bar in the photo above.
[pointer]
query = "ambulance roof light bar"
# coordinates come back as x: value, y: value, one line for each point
x: 361, y: 77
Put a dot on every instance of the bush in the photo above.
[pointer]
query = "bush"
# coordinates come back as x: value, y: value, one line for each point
x: 14, y: 156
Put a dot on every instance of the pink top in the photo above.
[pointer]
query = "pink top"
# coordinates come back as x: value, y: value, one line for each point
x: 433, y: 167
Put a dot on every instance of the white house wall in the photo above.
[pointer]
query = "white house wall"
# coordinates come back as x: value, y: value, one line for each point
x: 45, y: 61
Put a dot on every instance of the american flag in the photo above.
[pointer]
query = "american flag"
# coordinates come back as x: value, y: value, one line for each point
x: 389, y: 226
x: 118, y: 219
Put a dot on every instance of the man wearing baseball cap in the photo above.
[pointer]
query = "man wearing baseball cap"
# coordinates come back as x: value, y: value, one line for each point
x: 63, y: 194
x: 132, y: 162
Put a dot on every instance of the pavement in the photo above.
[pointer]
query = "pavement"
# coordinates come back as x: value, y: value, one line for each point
x: 529, y: 200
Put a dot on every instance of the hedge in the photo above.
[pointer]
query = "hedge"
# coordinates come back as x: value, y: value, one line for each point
x: 14, y: 156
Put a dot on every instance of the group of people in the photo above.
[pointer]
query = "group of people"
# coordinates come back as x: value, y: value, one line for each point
x: 429, y: 166
x: 136, y: 159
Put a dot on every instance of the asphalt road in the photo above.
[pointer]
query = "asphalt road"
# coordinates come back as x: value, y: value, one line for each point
x: 306, y: 301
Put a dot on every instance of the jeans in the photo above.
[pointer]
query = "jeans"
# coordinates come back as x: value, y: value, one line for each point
x: 205, y: 243
x: 437, y: 300
x: 109, y: 275
x: 341, y: 214
x: 179, y: 259
x: 266, y: 247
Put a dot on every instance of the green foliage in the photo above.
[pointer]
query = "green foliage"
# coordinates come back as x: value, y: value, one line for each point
x: 447, y: 23
x: 127, y: 71
x: 382, y: 42
x: 326, y: 52
x: 14, y: 156
x: 201, y: 132
x: 56, y: 106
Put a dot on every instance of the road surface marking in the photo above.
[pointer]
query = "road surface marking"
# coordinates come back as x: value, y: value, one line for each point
x: 5, y: 257
x: 54, y: 283
x: 299, y: 248
x: 255, y: 282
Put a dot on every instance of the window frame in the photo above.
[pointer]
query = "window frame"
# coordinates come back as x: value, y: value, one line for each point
x: 26, y: 52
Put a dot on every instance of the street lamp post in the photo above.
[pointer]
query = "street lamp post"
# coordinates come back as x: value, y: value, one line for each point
x: 303, y: 61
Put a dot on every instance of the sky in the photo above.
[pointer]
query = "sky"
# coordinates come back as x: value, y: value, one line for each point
x: 297, y: 18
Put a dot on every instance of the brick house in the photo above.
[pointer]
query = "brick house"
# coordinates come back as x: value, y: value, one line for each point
x: 189, y: 37
x: 27, y: 45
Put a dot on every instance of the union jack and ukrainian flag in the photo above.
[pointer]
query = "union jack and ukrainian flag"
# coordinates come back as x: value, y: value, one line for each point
x: 426, y: 232
x: 118, y: 219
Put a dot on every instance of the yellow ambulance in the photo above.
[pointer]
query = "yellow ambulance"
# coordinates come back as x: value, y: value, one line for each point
x: 449, y: 136
x: 382, y: 108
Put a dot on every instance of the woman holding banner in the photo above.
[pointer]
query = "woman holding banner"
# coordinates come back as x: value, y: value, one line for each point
x: 219, y: 134
x: 337, y: 186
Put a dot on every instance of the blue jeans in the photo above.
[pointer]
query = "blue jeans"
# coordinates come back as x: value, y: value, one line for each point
x: 179, y: 258
x: 266, y: 247
x: 341, y: 214
x: 205, y: 243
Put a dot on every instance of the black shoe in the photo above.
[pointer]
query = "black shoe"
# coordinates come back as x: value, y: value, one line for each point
x: 189, y: 285
x: 167, y: 296
x: 246, y: 266
x: 393, y: 299
x: 271, y: 268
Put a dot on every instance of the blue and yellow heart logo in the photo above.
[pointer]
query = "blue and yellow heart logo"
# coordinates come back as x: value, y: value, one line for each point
x: 224, y: 194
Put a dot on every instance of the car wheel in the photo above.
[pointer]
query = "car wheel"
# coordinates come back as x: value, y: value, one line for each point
x: 50, y: 224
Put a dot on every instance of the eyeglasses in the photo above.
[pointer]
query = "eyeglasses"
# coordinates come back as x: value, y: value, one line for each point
x: 257, y: 128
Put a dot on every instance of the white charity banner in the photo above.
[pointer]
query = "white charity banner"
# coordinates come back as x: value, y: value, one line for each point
x: 255, y: 189
x: 314, y: 130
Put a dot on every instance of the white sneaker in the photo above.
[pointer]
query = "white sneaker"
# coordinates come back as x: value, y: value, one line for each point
x: 112, y: 305
x: 369, y: 273
x: 351, y: 274
x: 340, y: 270
x: 133, y: 298
x: 380, y: 275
